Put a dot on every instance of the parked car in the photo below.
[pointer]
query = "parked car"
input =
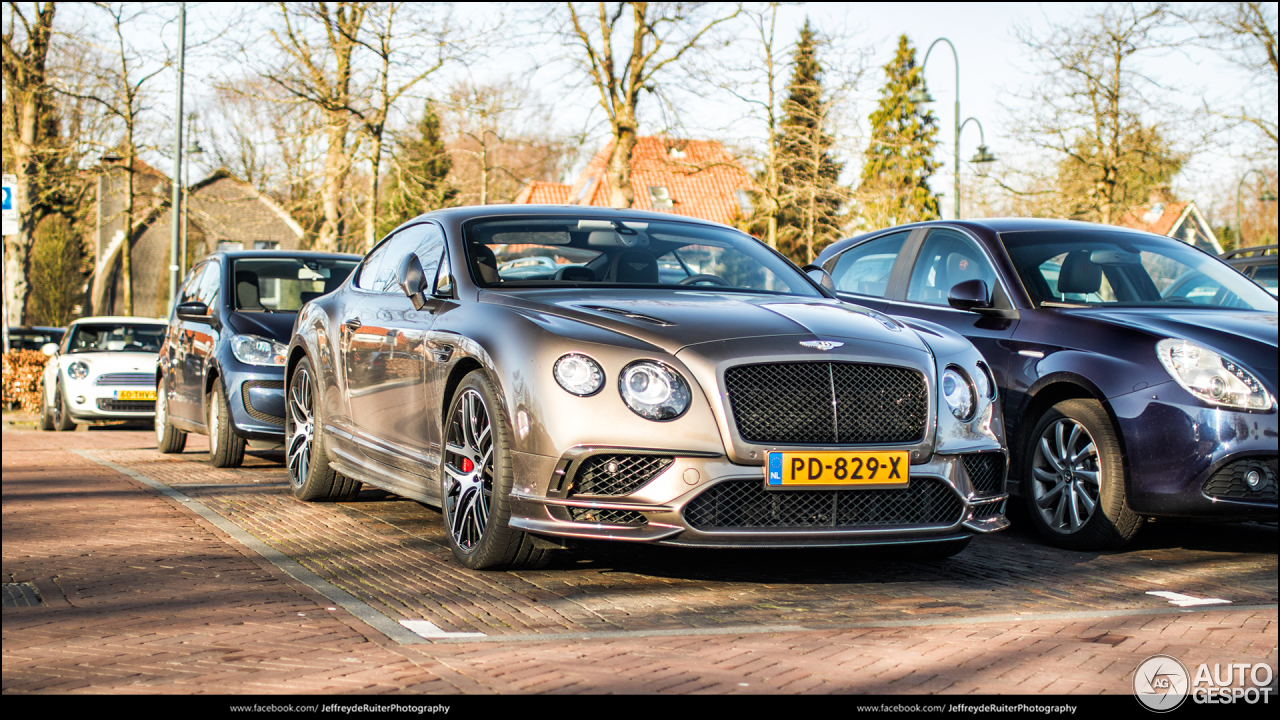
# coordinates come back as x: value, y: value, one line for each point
x: 742, y: 406
x: 1130, y: 392
x: 34, y: 338
x: 221, y: 369
x: 102, y: 369
x: 1257, y: 263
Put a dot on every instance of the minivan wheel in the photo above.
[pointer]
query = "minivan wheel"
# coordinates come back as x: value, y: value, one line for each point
x: 476, y: 483
x: 226, y: 449
x: 1074, y: 480
x: 310, y: 476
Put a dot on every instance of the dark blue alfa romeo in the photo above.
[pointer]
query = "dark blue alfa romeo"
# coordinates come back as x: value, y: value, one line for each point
x: 1137, y: 373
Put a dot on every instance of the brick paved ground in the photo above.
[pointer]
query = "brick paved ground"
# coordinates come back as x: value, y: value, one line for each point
x: 143, y: 595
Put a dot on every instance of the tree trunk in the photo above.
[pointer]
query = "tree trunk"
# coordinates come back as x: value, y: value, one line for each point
x: 335, y: 174
x: 371, y: 205
x: 618, y: 170
x: 126, y: 251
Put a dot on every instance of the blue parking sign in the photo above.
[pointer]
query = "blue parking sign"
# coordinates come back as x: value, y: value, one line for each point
x: 8, y: 199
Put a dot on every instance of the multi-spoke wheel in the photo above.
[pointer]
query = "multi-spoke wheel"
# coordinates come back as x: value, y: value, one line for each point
x: 309, y: 473
x: 1075, y: 481
x: 476, y: 483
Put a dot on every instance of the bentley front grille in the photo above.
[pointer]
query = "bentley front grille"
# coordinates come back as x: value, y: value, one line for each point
x: 827, y: 403
x: 747, y: 504
x: 986, y: 472
x: 607, y: 516
x: 617, y: 474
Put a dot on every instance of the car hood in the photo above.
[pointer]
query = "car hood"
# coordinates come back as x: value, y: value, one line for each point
x: 673, y: 320
x: 111, y: 361
x: 1248, y: 337
x: 276, y: 326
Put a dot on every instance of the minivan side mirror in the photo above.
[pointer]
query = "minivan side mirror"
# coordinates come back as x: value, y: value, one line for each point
x: 412, y: 280
x: 971, y: 295
x: 195, y: 311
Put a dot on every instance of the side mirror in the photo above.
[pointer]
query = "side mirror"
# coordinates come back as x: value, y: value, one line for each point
x: 444, y: 280
x: 49, y: 349
x: 971, y: 295
x: 195, y: 311
x: 412, y: 280
x: 819, y: 275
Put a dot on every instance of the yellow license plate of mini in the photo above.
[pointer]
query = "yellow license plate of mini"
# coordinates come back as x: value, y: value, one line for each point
x: 136, y: 395
x: 835, y: 469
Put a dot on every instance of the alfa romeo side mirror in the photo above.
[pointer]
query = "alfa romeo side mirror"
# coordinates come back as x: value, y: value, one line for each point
x: 971, y: 295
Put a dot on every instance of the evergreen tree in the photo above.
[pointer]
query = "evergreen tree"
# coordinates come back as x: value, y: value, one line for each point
x: 417, y: 178
x: 899, y: 160
x: 808, y: 219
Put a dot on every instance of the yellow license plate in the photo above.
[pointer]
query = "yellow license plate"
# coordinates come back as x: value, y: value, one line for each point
x: 135, y: 394
x: 836, y: 469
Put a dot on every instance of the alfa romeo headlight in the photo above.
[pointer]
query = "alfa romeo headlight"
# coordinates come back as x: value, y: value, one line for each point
x: 252, y: 350
x: 579, y: 374
x: 1209, y: 376
x: 957, y: 390
x: 653, y: 390
x: 78, y: 370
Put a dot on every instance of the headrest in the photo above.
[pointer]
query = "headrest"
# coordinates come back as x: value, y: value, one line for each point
x: 247, y: 290
x: 1079, y: 275
x: 576, y: 273
x: 486, y: 263
x: 634, y: 266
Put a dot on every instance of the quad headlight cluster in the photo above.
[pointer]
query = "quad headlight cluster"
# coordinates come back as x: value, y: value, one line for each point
x: 651, y: 389
x: 1211, y: 377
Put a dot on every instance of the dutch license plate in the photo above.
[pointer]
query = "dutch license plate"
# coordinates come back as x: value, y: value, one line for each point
x: 836, y: 469
x: 135, y: 394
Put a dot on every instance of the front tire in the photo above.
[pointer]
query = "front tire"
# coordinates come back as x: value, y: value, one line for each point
x: 476, y: 483
x: 1074, y: 479
x: 61, y: 416
x: 46, y: 413
x: 310, y: 476
x: 169, y: 439
x: 226, y: 449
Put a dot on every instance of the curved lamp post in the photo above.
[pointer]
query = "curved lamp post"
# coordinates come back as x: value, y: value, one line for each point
x: 1266, y: 196
x: 984, y: 158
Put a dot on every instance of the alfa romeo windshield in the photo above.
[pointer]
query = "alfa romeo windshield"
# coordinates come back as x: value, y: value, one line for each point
x: 600, y: 253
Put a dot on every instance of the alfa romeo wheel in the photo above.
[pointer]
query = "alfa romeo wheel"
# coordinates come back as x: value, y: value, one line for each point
x: 1075, y: 492
x: 226, y: 449
x: 169, y: 439
x: 310, y: 476
x: 476, y: 483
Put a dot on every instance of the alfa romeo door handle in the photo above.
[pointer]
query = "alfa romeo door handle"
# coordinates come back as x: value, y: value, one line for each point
x: 353, y: 323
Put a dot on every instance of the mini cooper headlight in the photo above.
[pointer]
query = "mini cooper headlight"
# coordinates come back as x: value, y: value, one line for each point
x: 1211, y: 377
x: 78, y: 370
x: 252, y: 350
x: 653, y: 390
x: 579, y: 374
x: 957, y: 390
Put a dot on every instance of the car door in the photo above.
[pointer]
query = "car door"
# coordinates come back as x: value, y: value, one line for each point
x: 195, y: 343
x: 945, y: 258
x: 386, y: 357
x: 863, y: 273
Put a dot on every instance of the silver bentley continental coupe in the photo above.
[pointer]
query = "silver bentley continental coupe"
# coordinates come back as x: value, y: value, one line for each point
x: 642, y: 377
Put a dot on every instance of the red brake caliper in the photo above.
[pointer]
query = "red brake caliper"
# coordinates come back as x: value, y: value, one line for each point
x: 467, y: 465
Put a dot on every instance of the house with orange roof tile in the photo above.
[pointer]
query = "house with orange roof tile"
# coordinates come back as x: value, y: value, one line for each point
x: 694, y: 178
x: 1163, y: 215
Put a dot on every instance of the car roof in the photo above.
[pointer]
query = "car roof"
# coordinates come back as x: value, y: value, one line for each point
x: 121, y: 319
x: 467, y: 212
x: 241, y: 254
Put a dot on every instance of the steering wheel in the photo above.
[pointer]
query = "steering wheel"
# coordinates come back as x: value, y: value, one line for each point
x: 713, y: 279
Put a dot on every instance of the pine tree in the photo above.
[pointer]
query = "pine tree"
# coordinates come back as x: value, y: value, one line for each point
x: 418, y: 170
x: 808, y: 219
x: 899, y: 159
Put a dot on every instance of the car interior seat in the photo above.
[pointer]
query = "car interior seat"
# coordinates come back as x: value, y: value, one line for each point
x: 486, y: 263
x: 633, y: 266
x: 1079, y: 275
x: 247, y: 291
x: 575, y: 273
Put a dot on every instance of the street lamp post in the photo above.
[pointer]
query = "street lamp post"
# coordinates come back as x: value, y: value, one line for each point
x: 984, y: 158
x: 174, y: 236
x: 1266, y: 196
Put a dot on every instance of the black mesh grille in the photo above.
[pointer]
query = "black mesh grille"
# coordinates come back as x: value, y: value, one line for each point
x: 254, y: 412
x: 988, y: 509
x: 986, y: 472
x: 1230, y: 482
x: 617, y: 474
x: 126, y: 405
x: 747, y: 504
x: 826, y: 403
x: 608, y: 517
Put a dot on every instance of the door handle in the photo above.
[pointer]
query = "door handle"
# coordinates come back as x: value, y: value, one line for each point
x: 353, y: 323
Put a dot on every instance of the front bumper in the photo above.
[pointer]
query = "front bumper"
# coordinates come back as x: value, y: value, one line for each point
x: 1181, y: 452
x: 256, y: 398
x: 87, y: 402
x: 708, y: 501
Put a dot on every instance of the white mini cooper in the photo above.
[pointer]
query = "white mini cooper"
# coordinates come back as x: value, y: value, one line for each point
x: 104, y: 369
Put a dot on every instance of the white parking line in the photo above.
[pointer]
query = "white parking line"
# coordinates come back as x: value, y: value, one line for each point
x: 430, y: 630
x: 1187, y: 600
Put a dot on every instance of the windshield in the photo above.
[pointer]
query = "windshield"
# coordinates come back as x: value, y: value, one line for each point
x: 115, y: 337
x: 590, y: 252
x: 286, y: 284
x: 1100, y: 268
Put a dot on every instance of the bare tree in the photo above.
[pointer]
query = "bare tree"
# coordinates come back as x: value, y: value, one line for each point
x: 1246, y: 34
x: 660, y: 34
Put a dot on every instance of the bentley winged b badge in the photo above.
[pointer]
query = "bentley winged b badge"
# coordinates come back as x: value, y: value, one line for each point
x: 823, y: 345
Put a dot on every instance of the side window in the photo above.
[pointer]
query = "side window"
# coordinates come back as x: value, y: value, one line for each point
x: 369, y: 269
x: 947, y: 259
x: 191, y: 288
x: 378, y: 274
x: 864, y: 269
x: 210, y: 284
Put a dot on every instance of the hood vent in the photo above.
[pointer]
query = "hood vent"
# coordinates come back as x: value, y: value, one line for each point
x: 628, y: 314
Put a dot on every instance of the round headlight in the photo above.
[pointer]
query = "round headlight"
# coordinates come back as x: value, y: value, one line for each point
x: 654, y: 391
x: 78, y: 370
x: 579, y: 374
x: 958, y: 392
x: 985, y: 382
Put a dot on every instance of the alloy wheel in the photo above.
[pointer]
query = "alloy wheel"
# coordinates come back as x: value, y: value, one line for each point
x: 1066, y: 474
x: 57, y: 408
x: 160, y: 415
x: 469, y: 470
x: 301, y: 415
x: 214, y: 422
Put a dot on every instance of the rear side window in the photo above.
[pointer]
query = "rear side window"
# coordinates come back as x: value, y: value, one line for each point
x: 378, y: 273
x: 947, y: 259
x: 864, y: 269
